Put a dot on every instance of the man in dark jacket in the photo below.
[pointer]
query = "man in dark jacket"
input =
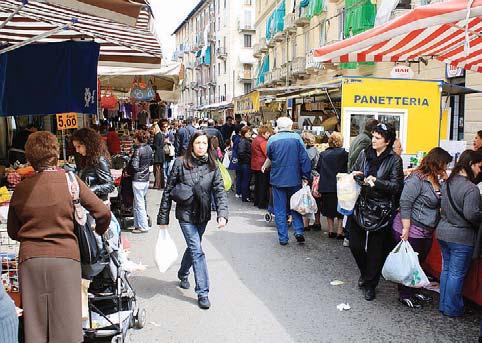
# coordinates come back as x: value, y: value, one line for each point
x: 290, y: 167
x: 228, y: 128
x: 183, y: 136
x: 361, y: 142
x: 213, y: 132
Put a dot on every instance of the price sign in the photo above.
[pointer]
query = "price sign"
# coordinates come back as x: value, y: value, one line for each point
x: 67, y: 121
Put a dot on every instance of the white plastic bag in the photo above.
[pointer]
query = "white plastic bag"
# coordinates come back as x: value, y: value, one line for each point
x: 402, y: 266
x: 347, y: 191
x: 227, y: 159
x: 303, y: 202
x: 166, y: 252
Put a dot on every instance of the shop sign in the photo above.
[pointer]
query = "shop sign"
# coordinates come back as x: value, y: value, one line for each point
x: 247, y: 104
x: 401, y: 72
x: 67, y: 121
x: 452, y: 71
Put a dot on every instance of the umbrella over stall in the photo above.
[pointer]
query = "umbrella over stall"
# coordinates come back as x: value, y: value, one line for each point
x: 448, y: 31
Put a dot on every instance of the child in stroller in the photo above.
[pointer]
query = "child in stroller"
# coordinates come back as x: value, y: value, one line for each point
x: 112, y: 305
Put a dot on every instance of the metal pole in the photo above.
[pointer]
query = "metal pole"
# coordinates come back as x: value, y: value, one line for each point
x: 10, y: 17
x: 288, y: 63
x: 64, y: 150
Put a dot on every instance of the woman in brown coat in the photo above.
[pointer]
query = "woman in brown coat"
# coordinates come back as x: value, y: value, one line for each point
x: 41, y: 218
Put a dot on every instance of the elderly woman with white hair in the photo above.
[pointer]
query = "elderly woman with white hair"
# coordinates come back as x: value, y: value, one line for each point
x: 290, y: 167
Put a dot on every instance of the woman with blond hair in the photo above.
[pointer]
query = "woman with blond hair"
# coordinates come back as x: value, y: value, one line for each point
x: 332, y: 161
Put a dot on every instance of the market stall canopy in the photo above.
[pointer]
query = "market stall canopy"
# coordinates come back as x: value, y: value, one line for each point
x: 447, y: 31
x: 120, y: 11
x: 38, y: 21
x: 166, y: 77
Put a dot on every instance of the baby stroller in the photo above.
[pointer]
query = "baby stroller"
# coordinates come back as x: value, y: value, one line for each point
x: 112, y: 305
x: 122, y: 205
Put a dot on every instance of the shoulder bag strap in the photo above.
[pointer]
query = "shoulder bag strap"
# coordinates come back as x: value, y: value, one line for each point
x: 461, y: 215
x: 74, y: 188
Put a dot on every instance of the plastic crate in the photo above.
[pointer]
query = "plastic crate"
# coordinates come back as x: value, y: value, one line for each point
x: 9, y: 259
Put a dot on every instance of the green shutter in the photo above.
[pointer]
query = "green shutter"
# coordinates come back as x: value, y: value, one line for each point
x: 315, y: 8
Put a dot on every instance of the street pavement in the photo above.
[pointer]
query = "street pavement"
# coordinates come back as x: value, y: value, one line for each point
x: 263, y: 292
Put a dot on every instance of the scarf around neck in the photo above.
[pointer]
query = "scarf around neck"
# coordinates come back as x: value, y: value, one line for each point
x: 374, y: 161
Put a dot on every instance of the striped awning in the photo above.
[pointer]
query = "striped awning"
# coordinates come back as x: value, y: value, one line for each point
x: 119, y: 43
x: 450, y: 32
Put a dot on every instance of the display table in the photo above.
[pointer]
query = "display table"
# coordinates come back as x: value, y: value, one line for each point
x: 473, y: 281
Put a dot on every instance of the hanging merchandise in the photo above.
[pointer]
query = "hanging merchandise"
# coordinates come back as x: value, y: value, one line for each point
x: 141, y: 91
x: 108, y: 99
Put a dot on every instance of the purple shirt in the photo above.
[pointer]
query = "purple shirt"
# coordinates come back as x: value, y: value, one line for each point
x: 414, y: 232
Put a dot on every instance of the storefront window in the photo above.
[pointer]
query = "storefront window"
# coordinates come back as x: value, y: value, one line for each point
x: 357, y: 124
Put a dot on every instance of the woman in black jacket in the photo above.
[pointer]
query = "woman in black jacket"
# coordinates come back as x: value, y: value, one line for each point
x: 244, y: 162
x: 192, y: 180
x: 139, y: 167
x: 380, y: 172
x: 158, y: 147
x: 93, y: 162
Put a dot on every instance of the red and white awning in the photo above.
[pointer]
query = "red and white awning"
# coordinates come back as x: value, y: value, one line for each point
x: 40, y: 21
x: 451, y: 32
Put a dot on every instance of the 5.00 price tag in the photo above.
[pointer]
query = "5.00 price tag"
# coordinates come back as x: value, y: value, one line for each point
x: 67, y: 121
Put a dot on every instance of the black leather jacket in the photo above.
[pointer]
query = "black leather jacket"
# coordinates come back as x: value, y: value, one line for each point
x: 210, y: 181
x: 140, y: 162
x: 389, y: 183
x: 98, y: 178
x: 244, y: 151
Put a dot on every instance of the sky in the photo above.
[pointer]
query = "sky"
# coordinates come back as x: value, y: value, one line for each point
x: 169, y: 14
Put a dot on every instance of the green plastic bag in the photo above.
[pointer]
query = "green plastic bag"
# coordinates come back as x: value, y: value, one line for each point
x: 225, y: 175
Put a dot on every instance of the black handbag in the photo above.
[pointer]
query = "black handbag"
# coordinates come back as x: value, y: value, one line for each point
x: 181, y: 193
x: 372, y: 215
x: 88, y: 248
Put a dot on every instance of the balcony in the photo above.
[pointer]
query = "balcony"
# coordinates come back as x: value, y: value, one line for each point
x: 187, y: 48
x: 257, y: 50
x: 290, y: 26
x: 271, y: 43
x: 211, y: 37
x: 263, y: 46
x: 245, y: 75
x: 193, y: 84
x: 200, y: 40
x: 221, y: 53
x: 279, y: 37
x: 300, y: 17
x: 268, y: 78
x: 245, y: 26
x: 312, y: 67
x: 189, y: 65
x: 298, y: 67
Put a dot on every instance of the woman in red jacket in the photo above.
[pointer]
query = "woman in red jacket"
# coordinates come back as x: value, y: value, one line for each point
x: 258, y: 157
x: 113, y: 142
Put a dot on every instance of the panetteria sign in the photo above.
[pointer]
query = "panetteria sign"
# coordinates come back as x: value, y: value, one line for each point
x: 401, y: 72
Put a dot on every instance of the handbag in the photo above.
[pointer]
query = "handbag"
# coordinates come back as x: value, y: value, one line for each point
x: 167, y: 149
x: 181, y: 193
x: 314, y: 187
x: 372, y: 215
x: 108, y: 100
x: 141, y: 91
x: 89, y: 251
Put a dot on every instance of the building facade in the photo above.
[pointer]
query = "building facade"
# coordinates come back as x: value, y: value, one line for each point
x: 288, y: 30
x: 215, y: 46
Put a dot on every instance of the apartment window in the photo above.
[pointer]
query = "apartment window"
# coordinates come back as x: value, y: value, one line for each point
x: 219, y: 68
x: 225, y: 91
x: 224, y: 3
x: 247, y: 88
x: 247, y: 41
x: 306, y: 38
x: 248, y: 2
x: 224, y: 62
x: 341, y: 24
x: 293, y: 48
x: 323, y: 33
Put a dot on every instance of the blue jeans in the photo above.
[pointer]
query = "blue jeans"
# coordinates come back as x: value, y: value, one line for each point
x: 281, y: 202
x: 245, y: 171
x: 194, y: 256
x: 167, y: 169
x: 456, y: 260
x: 140, y: 213
x: 238, y: 180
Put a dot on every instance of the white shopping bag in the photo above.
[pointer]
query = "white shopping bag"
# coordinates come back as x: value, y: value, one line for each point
x: 347, y: 192
x: 303, y: 202
x: 402, y: 266
x: 166, y: 252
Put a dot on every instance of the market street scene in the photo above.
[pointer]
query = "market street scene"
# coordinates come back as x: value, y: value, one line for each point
x: 240, y: 171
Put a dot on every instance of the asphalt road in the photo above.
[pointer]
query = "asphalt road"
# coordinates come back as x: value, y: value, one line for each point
x: 263, y: 292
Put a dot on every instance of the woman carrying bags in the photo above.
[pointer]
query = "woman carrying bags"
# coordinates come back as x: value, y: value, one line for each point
x: 420, y: 213
x: 41, y: 217
x: 379, y: 170
x: 193, y: 178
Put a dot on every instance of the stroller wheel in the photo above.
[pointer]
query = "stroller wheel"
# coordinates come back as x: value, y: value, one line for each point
x: 268, y: 217
x: 140, y: 319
